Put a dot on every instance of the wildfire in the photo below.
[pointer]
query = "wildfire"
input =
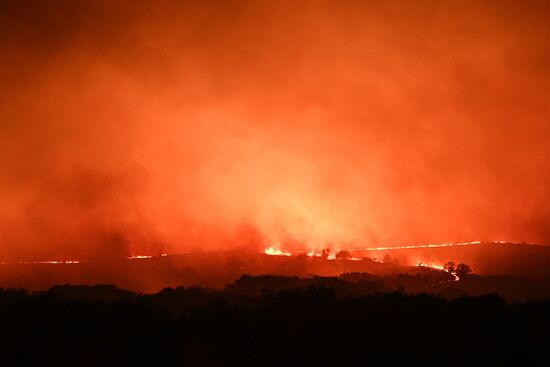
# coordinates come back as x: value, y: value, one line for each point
x: 314, y: 253
x: 438, y: 267
x: 276, y: 252
x: 57, y: 262
x: 428, y: 245
x: 332, y: 255
x: 326, y: 254
x: 41, y: 262
x: 432, y: 266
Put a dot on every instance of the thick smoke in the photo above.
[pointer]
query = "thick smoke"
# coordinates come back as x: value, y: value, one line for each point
x: 147, y: 127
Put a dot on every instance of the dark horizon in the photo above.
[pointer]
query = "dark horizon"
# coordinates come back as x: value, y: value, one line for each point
x: 268, y: 321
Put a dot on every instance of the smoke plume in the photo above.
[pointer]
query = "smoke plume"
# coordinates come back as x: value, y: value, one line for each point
x: 147, y: 127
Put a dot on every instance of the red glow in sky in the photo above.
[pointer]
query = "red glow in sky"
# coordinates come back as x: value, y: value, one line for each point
x: 154, y: 127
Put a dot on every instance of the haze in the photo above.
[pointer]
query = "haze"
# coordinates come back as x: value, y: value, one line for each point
x: 161, y: 127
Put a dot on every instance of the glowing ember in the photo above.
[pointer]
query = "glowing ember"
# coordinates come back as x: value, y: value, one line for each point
x: 139, y: 257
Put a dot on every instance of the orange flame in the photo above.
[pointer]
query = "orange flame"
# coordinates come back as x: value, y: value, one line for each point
x: 276, y: 252
x: 438, y: 267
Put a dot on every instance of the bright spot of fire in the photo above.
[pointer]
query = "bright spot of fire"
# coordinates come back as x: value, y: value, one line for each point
x: 56, y: 262
x: 41, y: 262
x: 276, y: 252
x: 429, y: 245
x: 326, y: 254
x: 313, y: 253
x: 438, y: 267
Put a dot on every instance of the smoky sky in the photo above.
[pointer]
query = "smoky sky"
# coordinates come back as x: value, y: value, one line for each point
x: 146, y: 127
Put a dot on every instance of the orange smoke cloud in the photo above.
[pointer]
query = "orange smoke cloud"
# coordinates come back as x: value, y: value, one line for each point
x: 166, y: 127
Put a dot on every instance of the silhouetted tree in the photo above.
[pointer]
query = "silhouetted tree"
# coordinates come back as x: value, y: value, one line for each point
x: 463, y: 269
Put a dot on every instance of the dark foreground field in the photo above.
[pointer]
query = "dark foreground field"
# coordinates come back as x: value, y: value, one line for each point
x: 261, y: 321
